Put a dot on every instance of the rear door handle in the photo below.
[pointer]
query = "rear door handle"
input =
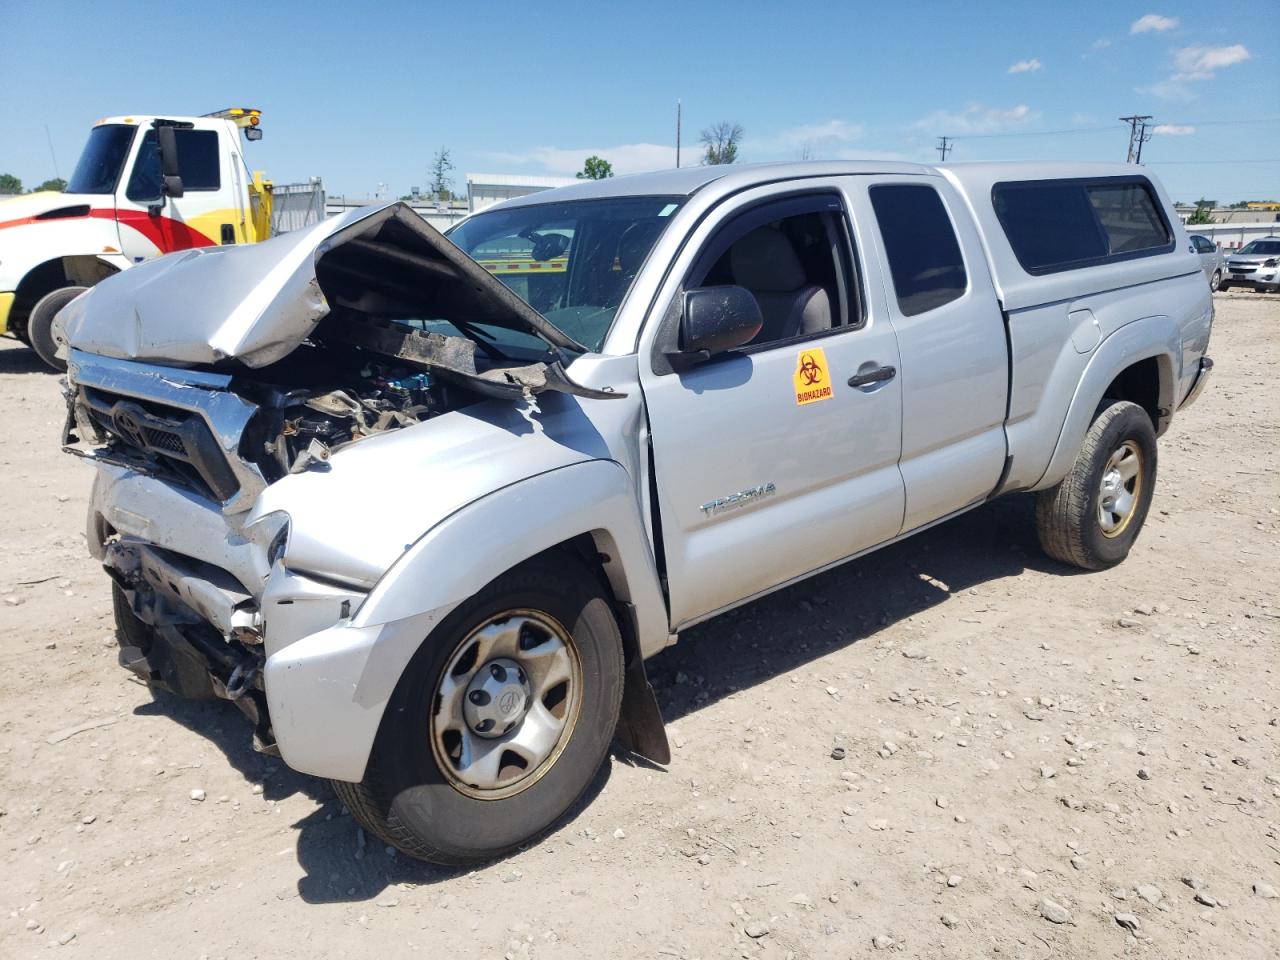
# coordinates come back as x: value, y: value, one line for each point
x: 873, y: 376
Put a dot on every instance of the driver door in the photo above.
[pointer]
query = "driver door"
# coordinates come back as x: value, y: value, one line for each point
x: 768, y: 462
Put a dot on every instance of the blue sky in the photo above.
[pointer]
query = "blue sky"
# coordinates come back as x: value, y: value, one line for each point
x: 362, y: 95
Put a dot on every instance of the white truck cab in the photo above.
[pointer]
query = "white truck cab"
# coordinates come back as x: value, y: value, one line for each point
x: 144, y: 186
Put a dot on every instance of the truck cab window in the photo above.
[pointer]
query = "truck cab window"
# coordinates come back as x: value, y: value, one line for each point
x: 198, y: 164
x: 794, y: 265
x: 924, y: 255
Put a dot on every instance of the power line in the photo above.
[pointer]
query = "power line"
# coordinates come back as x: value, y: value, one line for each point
x: 1106, y: 129
x: 1165, y: 163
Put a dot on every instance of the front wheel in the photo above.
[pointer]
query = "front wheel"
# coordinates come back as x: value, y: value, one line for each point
x: 500, y: 721
x: 40, y: 326
x: 1215, y: 281
x: 1091, y: 519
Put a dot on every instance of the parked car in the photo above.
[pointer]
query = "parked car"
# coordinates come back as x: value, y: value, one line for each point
x: 1256, y: 265
x: 425, y: 535
x: 1211, y: 259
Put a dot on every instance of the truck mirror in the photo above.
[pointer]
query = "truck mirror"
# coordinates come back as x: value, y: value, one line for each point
x: 716, y: 319
x: 253, y: 133
x: 167, y: 147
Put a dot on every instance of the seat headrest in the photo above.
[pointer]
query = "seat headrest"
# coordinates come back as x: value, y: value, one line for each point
x: 634, y: 244
x: 765, y: 261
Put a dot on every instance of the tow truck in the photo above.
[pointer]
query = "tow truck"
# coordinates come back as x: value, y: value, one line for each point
x: 143, y: 186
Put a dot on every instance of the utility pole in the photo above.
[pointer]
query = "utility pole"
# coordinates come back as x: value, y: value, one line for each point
x: 1138, y: 135
x: 945, y: 146
x: 677, y: 133
x: 1143, y: 136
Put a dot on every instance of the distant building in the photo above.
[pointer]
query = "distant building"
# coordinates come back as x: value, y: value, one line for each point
x: 486, y: 189
x: 483, y: 190
x: 1257, y: 212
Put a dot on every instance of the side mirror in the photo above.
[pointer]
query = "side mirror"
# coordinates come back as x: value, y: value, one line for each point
x: 167, y: 146
x: 253, y: 133
x: 715, y: 319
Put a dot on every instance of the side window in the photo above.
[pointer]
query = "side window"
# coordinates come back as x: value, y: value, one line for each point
x: 1128, y: 215
x: 793, y: 256
x: 198, y: 164
x: 920, y: 242
x: 1055, y: 225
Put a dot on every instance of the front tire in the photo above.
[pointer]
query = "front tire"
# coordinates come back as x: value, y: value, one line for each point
x: 1092, y: 518
x: 40, y: 324
x: 1215, y: 282
x: 501, y: 720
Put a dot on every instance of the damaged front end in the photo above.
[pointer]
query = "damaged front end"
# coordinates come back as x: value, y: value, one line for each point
x: 306, y: 353
x: 199, y: 380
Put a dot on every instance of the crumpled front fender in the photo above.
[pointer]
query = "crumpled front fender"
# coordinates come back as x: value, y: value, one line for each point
x: 327, y: 691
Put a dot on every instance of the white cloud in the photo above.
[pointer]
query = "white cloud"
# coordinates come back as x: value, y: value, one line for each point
x: 1199, y: 62
x: 1101, y: 43
x: 1173, y: 129
x: 1026, y: 66
x: 823, y: 137
x: 1195, y: 64
x: 975, y: 119
x: 1153, y: 23
x: 626, y: 158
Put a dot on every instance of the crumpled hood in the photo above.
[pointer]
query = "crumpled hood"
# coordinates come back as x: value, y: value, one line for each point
x: 256, y: 303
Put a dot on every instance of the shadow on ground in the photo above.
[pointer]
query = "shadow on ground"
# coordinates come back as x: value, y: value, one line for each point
x: 793, y: 627
x: 19, y: 358
x: 769, y: 637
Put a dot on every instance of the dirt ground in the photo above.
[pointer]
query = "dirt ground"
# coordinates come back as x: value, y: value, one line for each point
x: 1018, y: 740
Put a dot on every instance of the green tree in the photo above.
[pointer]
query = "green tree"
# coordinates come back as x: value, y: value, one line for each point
x: 9, y: 183
x: 720, y: 143
x: 596, y: 168
x: 441, y: 182
x: 1201, y: 216
x: 57, y: 185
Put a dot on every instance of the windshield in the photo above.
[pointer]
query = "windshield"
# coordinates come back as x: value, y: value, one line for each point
x: 98, y: 170
x: 573, y: 262
x: 1267, y: 247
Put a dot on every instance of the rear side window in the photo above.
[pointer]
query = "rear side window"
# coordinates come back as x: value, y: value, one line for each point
x: 924, y: 255
x: 1056, y: 225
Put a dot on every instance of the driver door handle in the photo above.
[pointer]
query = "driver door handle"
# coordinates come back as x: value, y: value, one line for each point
x: 873, y: 376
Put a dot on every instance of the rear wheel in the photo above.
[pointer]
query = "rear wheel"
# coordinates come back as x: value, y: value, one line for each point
x: 1216, y: 280
x: 500, y: 721
x: 1092, y: 517
x: 40, y: 327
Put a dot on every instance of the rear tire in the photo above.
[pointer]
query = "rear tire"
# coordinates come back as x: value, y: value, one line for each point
x: 420, y: 796
x: 1215, y: 282
x: 40, y: 324
x: 1092, y: 518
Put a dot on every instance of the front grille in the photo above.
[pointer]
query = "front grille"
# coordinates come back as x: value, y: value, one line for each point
x: 177, y: 440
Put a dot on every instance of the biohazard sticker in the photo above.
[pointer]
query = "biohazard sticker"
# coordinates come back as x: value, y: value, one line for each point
x: 812, y: 379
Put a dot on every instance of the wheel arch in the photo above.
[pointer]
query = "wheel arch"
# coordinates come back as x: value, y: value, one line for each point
x: 80, y: 270
x: 1136, y: 363
x: 587, y: 507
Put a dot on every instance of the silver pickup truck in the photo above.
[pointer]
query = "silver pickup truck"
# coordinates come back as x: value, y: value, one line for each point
x: 421, y: 507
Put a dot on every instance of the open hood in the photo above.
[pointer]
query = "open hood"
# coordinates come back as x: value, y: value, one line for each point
x: 257, y: 303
